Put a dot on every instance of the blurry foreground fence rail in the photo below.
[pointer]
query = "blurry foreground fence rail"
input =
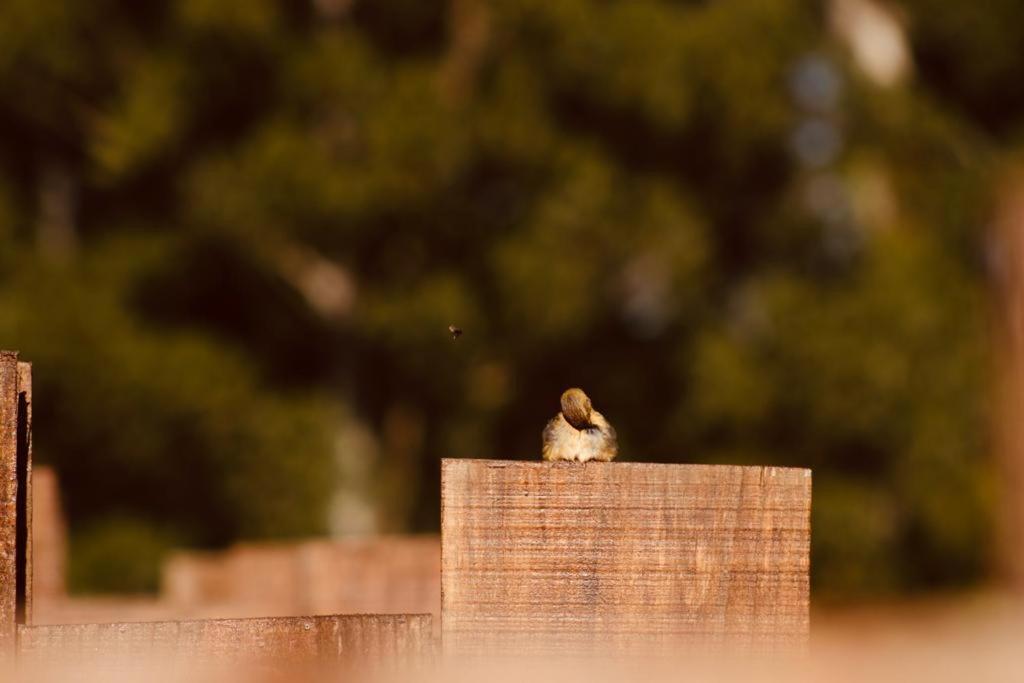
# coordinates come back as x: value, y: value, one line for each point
x: 359, y: 642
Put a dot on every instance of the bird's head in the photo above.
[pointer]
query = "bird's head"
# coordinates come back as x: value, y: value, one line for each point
x: 576, y: 408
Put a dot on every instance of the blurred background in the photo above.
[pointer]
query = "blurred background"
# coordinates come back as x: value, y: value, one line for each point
x: 234, y: 235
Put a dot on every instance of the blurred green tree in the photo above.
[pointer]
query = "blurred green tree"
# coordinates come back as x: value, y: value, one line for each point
x: 236, y: 233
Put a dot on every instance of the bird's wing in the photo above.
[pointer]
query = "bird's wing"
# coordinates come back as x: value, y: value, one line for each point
x: 551, y: 441
x: 610, y: 447
x: 603, y: 425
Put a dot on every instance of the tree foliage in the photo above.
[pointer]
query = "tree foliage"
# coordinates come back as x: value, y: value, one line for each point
x: 744, y: 249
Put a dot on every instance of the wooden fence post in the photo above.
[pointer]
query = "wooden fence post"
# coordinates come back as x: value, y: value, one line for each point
x: 8, y: 503
x: 1008, y: 374
x: 622, y: 557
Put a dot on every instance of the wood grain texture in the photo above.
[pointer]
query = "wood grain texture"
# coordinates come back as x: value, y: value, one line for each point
x: 622, y: 556
x: 345, y: 641
x: 8, y: 500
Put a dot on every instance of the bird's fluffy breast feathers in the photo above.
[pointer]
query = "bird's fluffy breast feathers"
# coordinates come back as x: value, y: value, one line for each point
x: 579, y: 433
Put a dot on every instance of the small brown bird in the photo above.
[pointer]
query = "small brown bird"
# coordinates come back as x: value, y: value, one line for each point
x: 456, y: 332
x: 579, y: 433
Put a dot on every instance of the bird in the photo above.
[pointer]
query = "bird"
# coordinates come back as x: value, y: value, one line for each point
x: 579, y: 433
x: 456, y: 332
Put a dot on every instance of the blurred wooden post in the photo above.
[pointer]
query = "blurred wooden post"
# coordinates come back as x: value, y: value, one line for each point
x: 559, y: 557
x: 48, y: 545
x: 8, y: 502
x: 1007, y: 265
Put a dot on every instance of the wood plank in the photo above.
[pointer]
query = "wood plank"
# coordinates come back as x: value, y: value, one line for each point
x: 8, y: 501
x: 1007, y: 240
x: 622, y: 556
x: 49, y: 548
x: 341, y: 642
x: 376, y: 575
